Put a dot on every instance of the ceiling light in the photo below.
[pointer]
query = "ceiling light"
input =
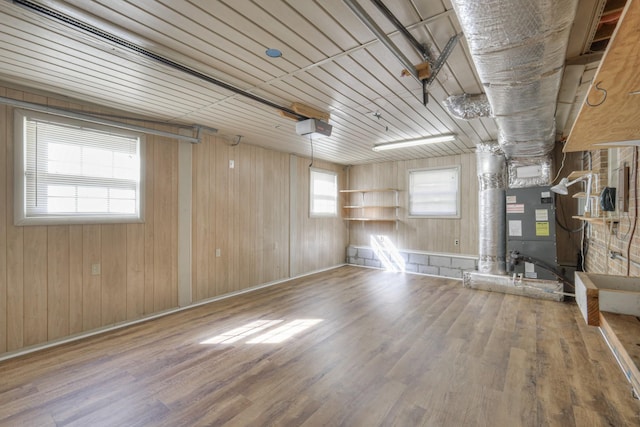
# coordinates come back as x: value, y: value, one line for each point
x: 273, y: 53
x: 414, y: 142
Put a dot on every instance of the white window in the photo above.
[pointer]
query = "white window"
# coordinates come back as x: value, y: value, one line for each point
x: 435, y: 192
x: 323, y: 193
x: 70, y: 171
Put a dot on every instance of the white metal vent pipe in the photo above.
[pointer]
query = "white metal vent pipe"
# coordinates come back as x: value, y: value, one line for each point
x: 491, y: 209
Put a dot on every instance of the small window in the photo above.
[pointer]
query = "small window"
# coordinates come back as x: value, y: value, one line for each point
x: 435, y: 192
x: 70, y: 171
x: 323, y: 193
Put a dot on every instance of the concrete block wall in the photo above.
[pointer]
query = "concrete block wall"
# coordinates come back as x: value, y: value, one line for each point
x: 445, y: 265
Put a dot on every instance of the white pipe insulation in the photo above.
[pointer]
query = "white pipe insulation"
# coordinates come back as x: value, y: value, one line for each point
x: 491, y: 209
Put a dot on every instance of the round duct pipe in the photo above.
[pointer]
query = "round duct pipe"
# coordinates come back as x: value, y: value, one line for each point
x: 491, y: 209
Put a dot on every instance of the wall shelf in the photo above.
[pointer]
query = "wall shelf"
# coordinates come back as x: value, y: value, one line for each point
x: 596, y: 219
x: 582, y: 195
x: 368, y: 207
x: 577, y: 174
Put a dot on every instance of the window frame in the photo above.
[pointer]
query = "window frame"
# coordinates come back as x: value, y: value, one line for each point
x: 457, y: 214
x: 313, y: 214
x: 22, y: 218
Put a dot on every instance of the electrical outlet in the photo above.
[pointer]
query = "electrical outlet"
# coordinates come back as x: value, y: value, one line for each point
x: 232, y: 164
x: 95, y: 269
x: 218, y: 253
x: 456, y: 242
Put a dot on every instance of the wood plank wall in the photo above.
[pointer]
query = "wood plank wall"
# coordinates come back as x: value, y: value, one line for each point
x: 47, y: 290
x: 316, y: 243
x: 421, y: 234
x: 245, y: 213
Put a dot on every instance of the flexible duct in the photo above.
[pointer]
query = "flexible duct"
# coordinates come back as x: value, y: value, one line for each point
x: 519, y: 47
x: 491, y: 209
x: 468, y: 106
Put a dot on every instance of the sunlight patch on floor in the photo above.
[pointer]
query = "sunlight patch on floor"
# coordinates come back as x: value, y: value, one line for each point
x: 273, y: 336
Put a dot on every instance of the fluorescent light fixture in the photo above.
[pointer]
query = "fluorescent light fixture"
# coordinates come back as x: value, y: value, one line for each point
x: 414, y: 142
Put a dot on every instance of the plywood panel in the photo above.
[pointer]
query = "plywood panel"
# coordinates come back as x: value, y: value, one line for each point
x: 311, y: 237
x: 235, y: 198
x: 4, y: 140
x: 35, y: 285
x: 58, y: 297
x: 91, y: 283
x: 15, y: 254
x: 248, y: 207
x: 200, y: 206
x: 165, y: 223
x: 149, y: 228
x: 613, y: 116
x: 114, y: 273
x: 436, y: 235
x: 75, y: 279
x: 62, y: 280
x: 135, y: 271
x: 222, y: 216
x: 208, y: 227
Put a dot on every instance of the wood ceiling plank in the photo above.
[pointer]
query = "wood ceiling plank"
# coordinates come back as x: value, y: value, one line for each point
x: 194, y: 34
x: 86, y: 68
x: 615, y: 119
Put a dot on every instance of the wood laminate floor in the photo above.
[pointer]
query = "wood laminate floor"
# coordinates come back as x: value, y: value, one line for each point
x: 378, y: 349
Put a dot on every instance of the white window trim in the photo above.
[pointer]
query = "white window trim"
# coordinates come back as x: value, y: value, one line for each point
x: 458, y: 209
x: 20, y: 217
x: 322, y: 215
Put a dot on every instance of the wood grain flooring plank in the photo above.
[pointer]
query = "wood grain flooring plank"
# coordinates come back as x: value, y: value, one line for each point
x: 391, y: 349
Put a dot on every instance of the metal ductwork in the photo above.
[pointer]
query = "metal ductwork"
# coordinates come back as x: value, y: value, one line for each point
x: 491, y: 209
x: 468, y: 106
x: 519, y: 48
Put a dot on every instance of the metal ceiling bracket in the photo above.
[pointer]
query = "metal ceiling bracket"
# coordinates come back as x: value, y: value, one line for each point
x: 444, y: 55
x: 422, y: 49
x: 384, y: 39
x: 425, y: 93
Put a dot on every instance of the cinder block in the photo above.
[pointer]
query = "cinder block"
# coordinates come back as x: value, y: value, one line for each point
x: 463, y: 263
x: 351, y: 251
x: 419, y: 259
x: 451, y: 272
x: 356, y: 261
x: 440, y: 261
x: 427, y: 269
x: 372, y: 263
x: 405, y: 256
x: 411, y: 267
x: 365, y: 253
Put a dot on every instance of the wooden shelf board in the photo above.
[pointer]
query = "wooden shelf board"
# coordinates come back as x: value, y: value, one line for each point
x: 623, y: 335
x: 613, y: 119
x: 577, y: 174
x: 372, y: 219
x: 371, y: 206
x: 596, y: 219
x: 371, y: 190
x: 582, y: 195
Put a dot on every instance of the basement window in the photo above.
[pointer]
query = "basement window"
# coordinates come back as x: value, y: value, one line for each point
x: 70, y: 171
x: 434, y: 192
x: 323, y: 193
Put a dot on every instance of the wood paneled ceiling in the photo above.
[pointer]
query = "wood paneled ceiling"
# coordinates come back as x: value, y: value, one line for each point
x: 330, y: 61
